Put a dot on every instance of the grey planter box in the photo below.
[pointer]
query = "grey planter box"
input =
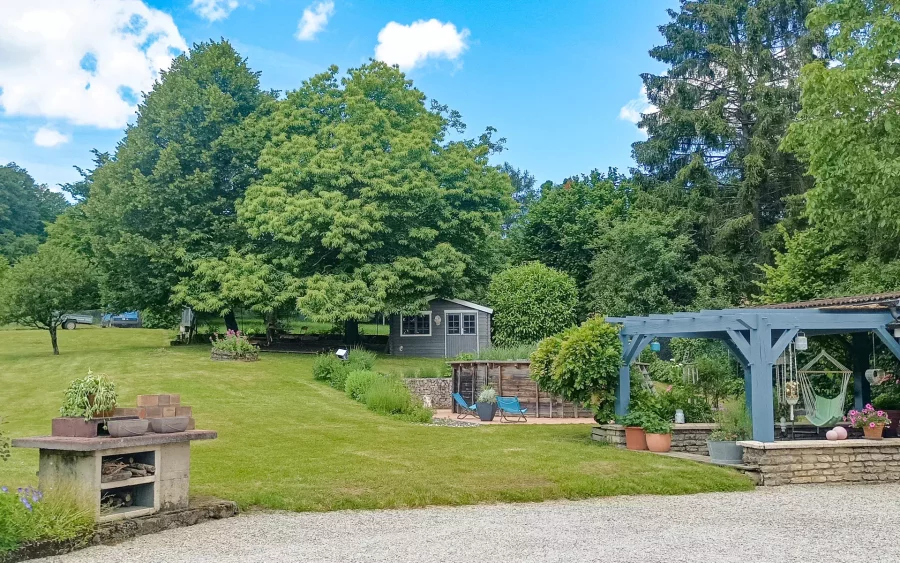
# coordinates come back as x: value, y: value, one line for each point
x: 486, y: 411
x: 726, y: 452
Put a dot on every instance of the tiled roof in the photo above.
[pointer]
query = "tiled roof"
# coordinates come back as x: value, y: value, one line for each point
x: 876, y: 300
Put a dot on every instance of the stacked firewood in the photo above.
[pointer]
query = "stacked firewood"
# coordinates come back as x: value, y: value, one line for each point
x: 122, y: 469
x: 116, y: 499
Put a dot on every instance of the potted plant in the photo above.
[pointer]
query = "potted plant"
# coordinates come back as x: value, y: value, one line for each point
x: 486, y: 405
x: 87, y: 399
x: 659, y: 434
x: 871, y: 421
x: 635, y: 437
x: 734, y: 425
x: 90, y: 397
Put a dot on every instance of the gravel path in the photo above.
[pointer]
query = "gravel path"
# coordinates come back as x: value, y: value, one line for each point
x: 790, y: 524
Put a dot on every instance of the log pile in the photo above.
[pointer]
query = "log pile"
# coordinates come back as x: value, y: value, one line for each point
x: 122, y: 469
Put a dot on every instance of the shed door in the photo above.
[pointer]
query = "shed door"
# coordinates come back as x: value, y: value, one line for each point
x: 462, y: 333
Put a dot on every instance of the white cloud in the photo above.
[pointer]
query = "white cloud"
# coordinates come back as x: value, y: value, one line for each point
x: 84, y: 61
x: 632, y: 110
x: 47, y: 137
x: 214, y: 10
x: 315, y: 18
x: 410, y: 45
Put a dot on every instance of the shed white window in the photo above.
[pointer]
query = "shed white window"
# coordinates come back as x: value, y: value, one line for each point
x: 468, y: 324
x: 416, y: 325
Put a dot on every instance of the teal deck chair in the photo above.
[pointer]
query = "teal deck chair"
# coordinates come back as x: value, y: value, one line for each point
x: 510, y: 405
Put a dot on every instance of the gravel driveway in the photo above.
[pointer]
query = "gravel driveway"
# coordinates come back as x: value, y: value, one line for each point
x: 790, y: 524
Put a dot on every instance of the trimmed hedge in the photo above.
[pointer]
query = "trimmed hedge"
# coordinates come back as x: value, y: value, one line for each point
x: 531, y: 302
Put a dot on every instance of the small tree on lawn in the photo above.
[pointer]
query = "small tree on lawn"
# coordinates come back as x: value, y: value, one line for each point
x: 531, y: 302
x: 581, y: 364
x: 43, y: 288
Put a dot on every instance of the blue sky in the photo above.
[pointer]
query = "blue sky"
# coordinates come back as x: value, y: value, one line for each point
x: 552, y: 77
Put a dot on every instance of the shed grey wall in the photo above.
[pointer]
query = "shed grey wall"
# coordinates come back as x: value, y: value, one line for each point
x: 433, y: 346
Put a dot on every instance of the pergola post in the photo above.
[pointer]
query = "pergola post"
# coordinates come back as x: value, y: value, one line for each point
x: 631, y: 349
x: 761, y: 408
x: 623, y: 390
x: 860, y: 350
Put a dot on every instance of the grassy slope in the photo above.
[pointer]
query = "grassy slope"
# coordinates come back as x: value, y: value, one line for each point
x: 287, y: 441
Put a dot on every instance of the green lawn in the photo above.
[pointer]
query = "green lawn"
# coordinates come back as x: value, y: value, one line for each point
x: 289, y: 442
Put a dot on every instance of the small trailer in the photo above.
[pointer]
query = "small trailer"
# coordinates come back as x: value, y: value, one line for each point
x: 71, y: 320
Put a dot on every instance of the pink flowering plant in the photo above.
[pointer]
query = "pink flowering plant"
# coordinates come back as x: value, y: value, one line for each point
x: 234, y: 343
x: 869, y: 417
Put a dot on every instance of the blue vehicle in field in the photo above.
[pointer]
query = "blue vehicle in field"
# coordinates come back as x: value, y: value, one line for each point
x: 129, y: 319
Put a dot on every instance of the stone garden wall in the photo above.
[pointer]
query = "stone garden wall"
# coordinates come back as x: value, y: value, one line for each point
x: 436, y: 389
x: 688, y: 438
x: 821, y: 461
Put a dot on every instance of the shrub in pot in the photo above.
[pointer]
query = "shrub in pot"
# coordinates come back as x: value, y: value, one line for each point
x: 486, y: 405
x: 93, y: 396
x: 635, y: 437
x: 888, y: 400
x: 659, y: 434
x: 734, y: 424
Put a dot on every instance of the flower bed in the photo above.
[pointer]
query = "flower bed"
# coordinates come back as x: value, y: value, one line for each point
x: 233, y: 346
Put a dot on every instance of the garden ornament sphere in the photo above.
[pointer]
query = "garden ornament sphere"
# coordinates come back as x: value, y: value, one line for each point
x: 841, y: 432
x: 831, y: 435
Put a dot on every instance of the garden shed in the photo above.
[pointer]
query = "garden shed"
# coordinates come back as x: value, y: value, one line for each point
x: 446, y: 328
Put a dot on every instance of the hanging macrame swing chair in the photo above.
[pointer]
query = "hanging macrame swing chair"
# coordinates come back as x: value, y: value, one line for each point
x: 822, y: 411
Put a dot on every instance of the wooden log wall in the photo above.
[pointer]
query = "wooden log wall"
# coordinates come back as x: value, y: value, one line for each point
x: 511, y: 379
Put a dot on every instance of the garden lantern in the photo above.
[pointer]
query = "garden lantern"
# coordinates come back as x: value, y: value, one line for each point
x: 342, y: 353
x: 800, y: 343
x: 655, y: 346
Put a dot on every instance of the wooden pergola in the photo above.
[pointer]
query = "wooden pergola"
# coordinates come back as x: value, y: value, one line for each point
x: 758, y: 336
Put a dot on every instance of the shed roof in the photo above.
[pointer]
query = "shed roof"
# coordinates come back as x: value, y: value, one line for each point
x: 871, y: 301
x: 464, y: 303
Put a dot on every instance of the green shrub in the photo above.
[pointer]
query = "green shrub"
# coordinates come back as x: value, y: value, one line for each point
x: 328, y: 367
x: 487, y: 395
x: 531, y: 302
x: 581, y: 364
x: 656, y: 425
x: 358, y: 384
x: 734, y: 422
x: 388, y: 395
x: 685, y: 397
x: 28, y: 516
x: 325, y: 365
x: 160, y: 318
x: 418, y: 414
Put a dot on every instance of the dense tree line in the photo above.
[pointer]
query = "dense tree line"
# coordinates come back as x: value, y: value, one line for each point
x: 767, y: 174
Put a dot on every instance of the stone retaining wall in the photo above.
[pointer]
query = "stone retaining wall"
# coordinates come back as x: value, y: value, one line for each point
x: 689, y: 438
x: 821, y: 461
x: 433, y: 390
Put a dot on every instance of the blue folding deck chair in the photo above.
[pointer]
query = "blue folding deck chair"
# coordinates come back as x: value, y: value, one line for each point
x: 467, y: 409
x: 511, y: 405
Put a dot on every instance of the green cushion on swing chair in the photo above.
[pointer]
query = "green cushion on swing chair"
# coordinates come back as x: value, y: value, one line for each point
x: 828, y: 411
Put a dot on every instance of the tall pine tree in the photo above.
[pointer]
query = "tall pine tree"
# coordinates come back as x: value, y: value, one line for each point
x: 723, y: 106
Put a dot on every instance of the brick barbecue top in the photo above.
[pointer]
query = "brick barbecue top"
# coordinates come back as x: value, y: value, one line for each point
x: 108, y: 443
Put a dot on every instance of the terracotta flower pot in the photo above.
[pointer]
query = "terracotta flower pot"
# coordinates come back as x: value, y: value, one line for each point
x: 659, y: 443
x: 873, y: 433
x: 635, y: 438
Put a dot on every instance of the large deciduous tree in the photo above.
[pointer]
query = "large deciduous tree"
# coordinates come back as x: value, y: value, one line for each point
x: 562, y: 226
x: 721, y: 110
x: 364, y: 205
x: 41, y: 289
x: 25, y: 208
x: 167, y: 197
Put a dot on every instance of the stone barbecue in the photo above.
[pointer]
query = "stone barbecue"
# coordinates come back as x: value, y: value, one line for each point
x: 162, y: 463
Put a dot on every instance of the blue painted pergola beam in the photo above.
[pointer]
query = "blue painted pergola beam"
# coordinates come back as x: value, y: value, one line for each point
x: 756, y: 336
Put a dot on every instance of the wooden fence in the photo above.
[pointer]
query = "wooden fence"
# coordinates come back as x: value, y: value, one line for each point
x: 511, y: 379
